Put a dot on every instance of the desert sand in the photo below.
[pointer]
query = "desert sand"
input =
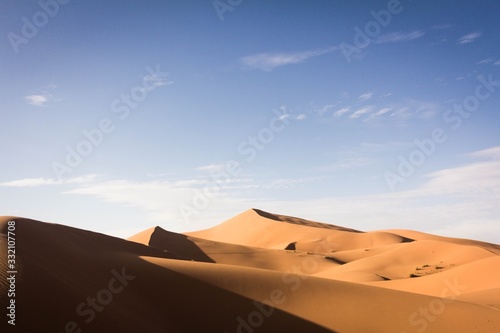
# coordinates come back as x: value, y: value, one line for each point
x: 256, y: 272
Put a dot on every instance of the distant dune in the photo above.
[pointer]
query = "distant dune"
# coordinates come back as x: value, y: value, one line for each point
x: 256, y: 272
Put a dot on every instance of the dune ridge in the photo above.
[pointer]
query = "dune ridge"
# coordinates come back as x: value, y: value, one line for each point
x: 256, y: 272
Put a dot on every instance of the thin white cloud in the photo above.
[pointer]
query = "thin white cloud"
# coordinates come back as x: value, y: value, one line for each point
x: 190, y: 182
x: 154, y: 80
x: 270, y: 61
x: 403, y: 112
x: 398, y: 37
x: 377, y: 148
x: 426, y: 110
x: 465, y: 180
x: 212, y: 167
x: 496, y: 62
x: 149, y: 196
x: 410, y: 109
x: 301, y: 117
x: 43, y: 97
x: 361, y: 112
x: 469, y: 38
x: 444, y: 26
x: 346, y: 163
x: 341, y: 112
x: 163, y: 201
x: 83, y: 179
x: 321, y: 111
x: 470, y: 180
x: 366, y: 96
x: 381, y: 112
x: 36, y: 182
x: 39, y: 99
x: 284, y: 116
x: 484, y: 61
x: 289, y: 183
x: 30, y: 182
x: 490, y: 153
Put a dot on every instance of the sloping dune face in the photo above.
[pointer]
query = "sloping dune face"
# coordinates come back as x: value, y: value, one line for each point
x: 262, y: 229
x: 257, y: 272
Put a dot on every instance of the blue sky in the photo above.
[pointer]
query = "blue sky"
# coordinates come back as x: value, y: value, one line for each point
x: 121, y: 115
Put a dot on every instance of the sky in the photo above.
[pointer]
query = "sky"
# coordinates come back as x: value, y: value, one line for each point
x: 122, y: 115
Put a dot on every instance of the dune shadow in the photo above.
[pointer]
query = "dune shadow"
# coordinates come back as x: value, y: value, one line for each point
x: 177, y: 245
x: 335, y: 260
x: 406, y: 240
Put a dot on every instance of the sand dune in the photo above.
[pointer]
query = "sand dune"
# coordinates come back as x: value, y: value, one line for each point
x: 261, y: 229
x: 257, y: 272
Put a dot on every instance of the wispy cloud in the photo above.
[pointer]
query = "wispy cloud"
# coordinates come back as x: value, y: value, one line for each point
x: 496, y: 62
x: 270, y: 61
x: 381, y: 112
x: 154, y: 80
x: 401, y: 112
x: 489, y: 153
x: 30, y: 182
x: 321, y: 111
x: 377, y: 148
x: 443, y: 26
x: 366, y: 96
x: 469, y: 38
x: 286, y: 114
x: 212, y: 167
x: 36, y: 182
x: 481, y: 177
x: 398, y: 37
x: 161, y: 201
x: 358, y: 113
x: 289, y: 183
x: 346, y: 163
x: 484, y: 61
x: 341, y: 112
x: 43, y: 97
x: 39, y: 99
